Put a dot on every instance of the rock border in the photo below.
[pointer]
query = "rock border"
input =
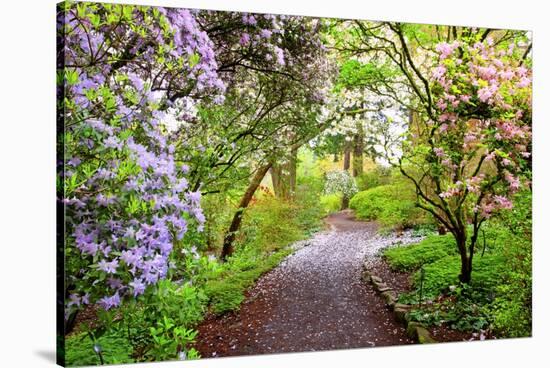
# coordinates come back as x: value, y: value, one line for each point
x: 415, y: 330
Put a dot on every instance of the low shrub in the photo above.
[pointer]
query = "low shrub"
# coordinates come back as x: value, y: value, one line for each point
x: 330, y: 203
x: 411, y: 257
x: 226, y: 293
x: 393, y: 206
x: 498, y: 299
x: 271, y: 223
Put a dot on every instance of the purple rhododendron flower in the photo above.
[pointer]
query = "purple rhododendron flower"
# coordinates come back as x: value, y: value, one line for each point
x: 108, y: 267
x: 194, y: 197
x: 138, y: 287
x: 136, y: 81
x: 110, y: 302
x: 265, y: 33
x: 113, y: 142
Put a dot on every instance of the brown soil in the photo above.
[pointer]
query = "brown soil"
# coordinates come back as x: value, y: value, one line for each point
x: 398, y: 281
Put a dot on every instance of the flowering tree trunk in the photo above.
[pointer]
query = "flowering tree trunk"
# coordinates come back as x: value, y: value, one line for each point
x: 237, y: 218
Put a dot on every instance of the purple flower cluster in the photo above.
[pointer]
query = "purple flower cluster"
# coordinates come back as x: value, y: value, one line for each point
x: 132, y: 202
x: 190, y: 40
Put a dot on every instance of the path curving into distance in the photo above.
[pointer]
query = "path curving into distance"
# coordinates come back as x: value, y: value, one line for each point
x: 314, y: 300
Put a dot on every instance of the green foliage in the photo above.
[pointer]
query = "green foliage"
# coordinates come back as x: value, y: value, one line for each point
x: 411, y: 257
x: 269, y: 226
x: 353, y: 73
x: 310, y: 188
x: 439, y: 275
x: 309, y: 209
x: 115, y: 349
x: 159, y: 327
x: 463, y: 310
x: 393, y: 206
x: 512, y: 308
x: 271, y: 223
x: 241, y: 271
x: 183, y: 304
x: 169, y: 339
x: 499, y: 296
x: 331, y: 203
x: 218, y: 210
x: 373, y: 178
x: 464, y: 306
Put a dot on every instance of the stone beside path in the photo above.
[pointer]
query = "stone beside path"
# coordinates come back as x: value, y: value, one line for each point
x: 415, y: 330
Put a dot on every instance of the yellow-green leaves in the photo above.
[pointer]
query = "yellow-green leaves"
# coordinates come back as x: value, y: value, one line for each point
x: 194, y: 59
x: 71, y: 77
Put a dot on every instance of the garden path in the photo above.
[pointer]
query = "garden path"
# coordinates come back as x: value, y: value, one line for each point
x: 314, y: 300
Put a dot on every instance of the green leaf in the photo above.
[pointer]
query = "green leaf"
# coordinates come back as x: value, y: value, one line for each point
x: 95, y: 19
x: 194, y: 59
x: 71, y: 76
x: 127, y: 11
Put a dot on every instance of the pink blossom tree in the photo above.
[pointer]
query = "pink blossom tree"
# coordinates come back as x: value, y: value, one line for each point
x: 468, y: 91
x: 471, y: 155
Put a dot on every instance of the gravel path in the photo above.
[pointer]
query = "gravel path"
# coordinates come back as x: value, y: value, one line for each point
x: 314, y: 300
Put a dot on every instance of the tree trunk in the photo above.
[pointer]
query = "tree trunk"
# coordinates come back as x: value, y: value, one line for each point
x: 345, y: 203
x: 276, y: 180
x: 280, y: 180
x: 292, y: 172
x: 237, y: 218
x: 358, y: 148
x: 465, y: 271
x: 466, y: 265
x: 283, y: 176
x: 347, y: 154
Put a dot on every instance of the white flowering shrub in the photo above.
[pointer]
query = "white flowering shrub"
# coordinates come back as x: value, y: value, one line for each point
x: 340, y: 181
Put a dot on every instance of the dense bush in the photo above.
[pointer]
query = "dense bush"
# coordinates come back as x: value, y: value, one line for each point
x: 271, y: 223
x: 340, y: 182
x: 413, y: 256
x: 499, y: 296
x: 159, y: 326
x: 393, y: 206
x: 330, y: 203
x: 512, y: 308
